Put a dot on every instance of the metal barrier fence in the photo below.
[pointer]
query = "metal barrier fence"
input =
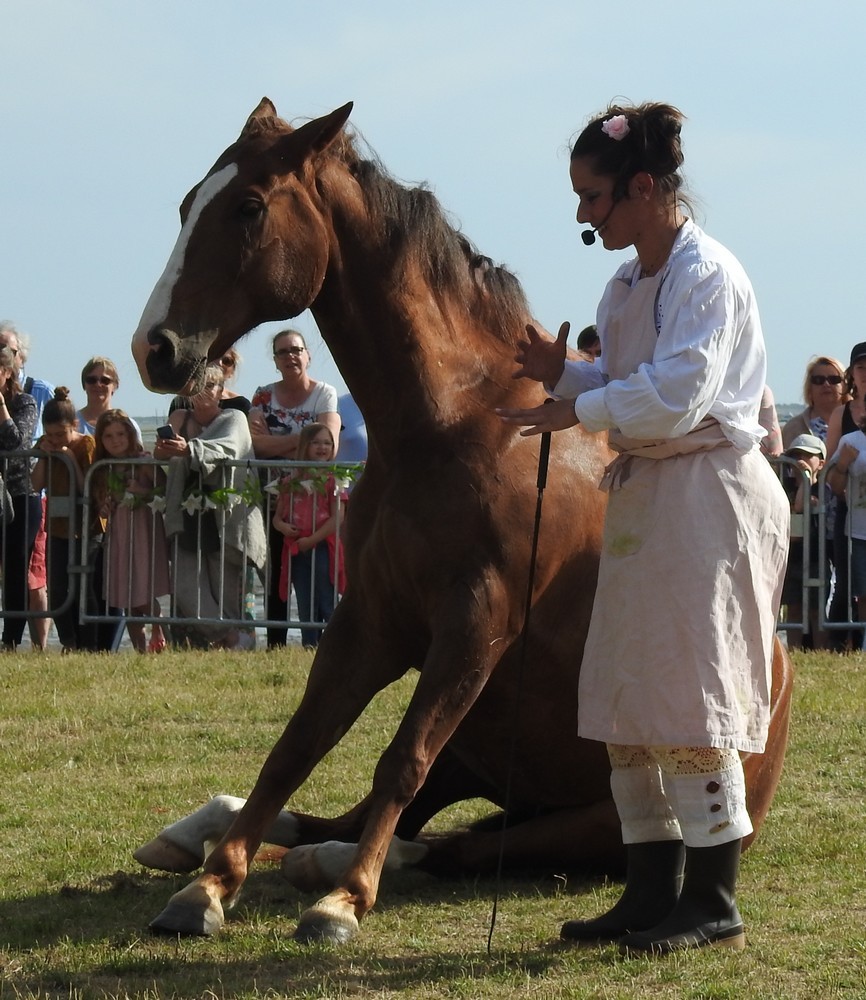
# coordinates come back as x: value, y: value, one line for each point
x: 212, y: 585
x: 827, y: 602
x: 217, y: 570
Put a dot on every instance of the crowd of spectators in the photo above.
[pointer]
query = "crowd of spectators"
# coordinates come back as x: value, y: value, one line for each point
x: 212, y: 530
x: 190, y: 522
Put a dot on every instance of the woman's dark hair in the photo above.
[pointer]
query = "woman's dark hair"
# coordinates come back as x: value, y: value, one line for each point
x: 288, y: 332
x: 61, y: 409
x: 651, y: 144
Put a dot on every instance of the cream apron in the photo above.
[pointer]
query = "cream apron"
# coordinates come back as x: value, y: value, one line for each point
x: 695, y: 543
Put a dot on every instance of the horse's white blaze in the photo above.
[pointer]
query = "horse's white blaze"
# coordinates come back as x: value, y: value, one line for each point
x: 158, y: 304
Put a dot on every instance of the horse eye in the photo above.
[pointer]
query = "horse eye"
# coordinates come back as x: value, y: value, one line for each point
x: 250, y: 208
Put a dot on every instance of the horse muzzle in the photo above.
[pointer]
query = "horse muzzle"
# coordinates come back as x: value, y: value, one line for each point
x: 173, y: 364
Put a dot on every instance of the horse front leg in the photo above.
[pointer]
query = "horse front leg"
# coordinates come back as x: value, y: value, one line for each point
x: 464, y: 650
x: 340, y: 686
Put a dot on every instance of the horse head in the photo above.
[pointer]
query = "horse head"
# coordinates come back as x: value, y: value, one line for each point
x: 232, y: 267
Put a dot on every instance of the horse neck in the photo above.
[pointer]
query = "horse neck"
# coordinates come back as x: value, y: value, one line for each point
x: 413, y: 365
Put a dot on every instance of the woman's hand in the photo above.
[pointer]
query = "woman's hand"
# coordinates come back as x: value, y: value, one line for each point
x: 541, y: 359
x: 171, y: 447
x: 256, y: 419
x: 305, y: 544
x: 846, y: 456
x: 554, y: 415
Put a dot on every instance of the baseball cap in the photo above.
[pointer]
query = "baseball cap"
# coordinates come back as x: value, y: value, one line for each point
x: 859, y: 351
x: 808, y: 443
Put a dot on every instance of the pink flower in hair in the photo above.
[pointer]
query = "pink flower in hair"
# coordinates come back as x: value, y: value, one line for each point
x: 616, y: 127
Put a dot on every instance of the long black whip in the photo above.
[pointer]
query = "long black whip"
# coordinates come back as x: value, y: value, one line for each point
x: 541, y: 482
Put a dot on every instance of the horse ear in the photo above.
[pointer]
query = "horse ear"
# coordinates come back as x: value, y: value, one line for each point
x: 321, y: 132
x: 265, y: 109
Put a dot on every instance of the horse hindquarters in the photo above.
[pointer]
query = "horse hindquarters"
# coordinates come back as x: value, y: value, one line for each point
x: 763, y: 770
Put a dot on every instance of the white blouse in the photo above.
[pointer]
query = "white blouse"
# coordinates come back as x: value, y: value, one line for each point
x: 710, y: 358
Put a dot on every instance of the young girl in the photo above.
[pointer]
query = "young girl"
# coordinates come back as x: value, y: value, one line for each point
x: 136, y: 571
x: 61, y: 438
x: 306, y: 515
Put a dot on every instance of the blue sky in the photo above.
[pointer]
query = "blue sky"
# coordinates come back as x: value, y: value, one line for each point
x: 111, y: 111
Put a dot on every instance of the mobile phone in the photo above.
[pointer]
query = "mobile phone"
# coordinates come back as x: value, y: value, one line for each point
x: 166, y: 432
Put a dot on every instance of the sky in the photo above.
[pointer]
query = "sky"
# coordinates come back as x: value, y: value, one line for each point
x: 111, y: 111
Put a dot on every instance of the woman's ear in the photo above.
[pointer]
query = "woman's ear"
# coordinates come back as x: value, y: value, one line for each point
x: 641, y: 186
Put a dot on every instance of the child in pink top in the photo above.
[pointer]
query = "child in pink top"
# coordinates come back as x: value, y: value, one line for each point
x: 307, y: 515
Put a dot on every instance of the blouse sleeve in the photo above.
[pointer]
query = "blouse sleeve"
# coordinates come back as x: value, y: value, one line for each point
x: 327, y: 401
x: 17, y: 431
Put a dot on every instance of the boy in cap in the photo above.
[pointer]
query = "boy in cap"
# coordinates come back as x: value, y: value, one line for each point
x: 801, y: 485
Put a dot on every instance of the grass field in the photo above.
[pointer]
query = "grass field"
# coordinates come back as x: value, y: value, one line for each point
x: 100, y: 752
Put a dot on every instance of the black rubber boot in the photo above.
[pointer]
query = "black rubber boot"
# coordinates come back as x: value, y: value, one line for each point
x: 653, y: 880
x: 706, y: 912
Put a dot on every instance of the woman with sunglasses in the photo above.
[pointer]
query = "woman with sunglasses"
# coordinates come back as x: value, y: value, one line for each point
x: 824, y: 389
x: 280, y: 411
x: 230, y: 399
x: 100, y: 381
x: 845, y: 419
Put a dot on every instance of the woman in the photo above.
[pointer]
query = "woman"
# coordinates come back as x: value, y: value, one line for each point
x: 18, y: 525
x: 825, y: 389
x: 280, y: 410
x: 231, y: 400
x: 693, y: 505
x: 216, y: 531
x: 846, y: 476
x: 845, y: 419
x: 100, y: 381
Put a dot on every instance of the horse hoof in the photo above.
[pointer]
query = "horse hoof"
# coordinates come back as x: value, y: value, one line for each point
x: 190, y: 914
x: 165, y: 856
x: 330, y: 922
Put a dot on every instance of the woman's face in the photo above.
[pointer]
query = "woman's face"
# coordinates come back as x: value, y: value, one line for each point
x: 115, y: 439
x: 5, y: 375
x: 858, y: 376
x: 207, y: 403
x: 613, y: 220
x: 59, y: 435
x: 99, y: 386
x: 291, y: 356
x: 822, y: 392
x: 320, y: 448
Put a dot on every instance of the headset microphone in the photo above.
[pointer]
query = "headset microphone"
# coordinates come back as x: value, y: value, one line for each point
x: 588, y: 235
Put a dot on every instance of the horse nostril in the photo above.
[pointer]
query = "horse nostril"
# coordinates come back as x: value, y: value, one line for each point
x: 163, y: 345
x: 168, y: 367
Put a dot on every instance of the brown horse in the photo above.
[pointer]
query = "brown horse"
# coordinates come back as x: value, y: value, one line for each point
x: 424, y: 331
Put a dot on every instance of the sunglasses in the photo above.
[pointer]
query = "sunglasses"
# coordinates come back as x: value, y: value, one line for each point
x: 285, y: 352
x: 227, y: 362
x: 98, y: 380
x: 821, y: 379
